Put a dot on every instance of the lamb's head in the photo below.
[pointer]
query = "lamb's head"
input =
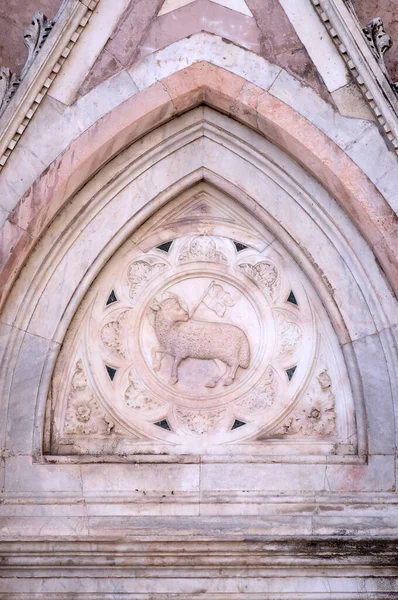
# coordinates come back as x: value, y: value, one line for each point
x: 170, y: 310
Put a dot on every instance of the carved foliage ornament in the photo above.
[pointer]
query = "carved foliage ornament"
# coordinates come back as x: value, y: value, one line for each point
x: 34, y: 36
x: 198, y: 342
x: 379, y: 42
x: 8, y: 85
x: 84, y: 413
x: 315, y: 415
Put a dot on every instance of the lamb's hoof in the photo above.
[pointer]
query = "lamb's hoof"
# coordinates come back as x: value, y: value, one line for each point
x: 212, y: 383
x: 156, y: 367
x: 173, y: 380
x: 228, y: 381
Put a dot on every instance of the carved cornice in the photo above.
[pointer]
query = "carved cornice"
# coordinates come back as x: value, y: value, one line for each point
x: 21, y: 95
x: 202, y: 550
x: 34, y: 36
x: 363, y: 51
x: 188, y: 553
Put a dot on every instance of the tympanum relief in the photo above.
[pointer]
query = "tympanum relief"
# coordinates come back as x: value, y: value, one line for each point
x: 198, y: 344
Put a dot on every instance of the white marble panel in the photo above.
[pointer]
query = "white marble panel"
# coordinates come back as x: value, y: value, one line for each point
x: 19, y: 172
x: 316, y: 40
x: 198, y: 47
x: 25, y: 384
x: 378, y: 475
x: 92, y: 40
x: 377, y: 394
x: 24, y: 477
x: 370, y: 153
x: 46, y: 526
x: 238, y: 5
x: 51, y: 129
x: 282, y: 478
x: 170, y: 5
x: 113, y: 478
x: 103, y: 98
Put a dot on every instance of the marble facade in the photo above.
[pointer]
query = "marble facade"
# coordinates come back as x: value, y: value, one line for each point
x: 199, y: 317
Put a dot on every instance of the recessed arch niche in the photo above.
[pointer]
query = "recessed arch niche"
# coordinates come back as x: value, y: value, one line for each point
x: 205, y: 152
x: 202, y: 336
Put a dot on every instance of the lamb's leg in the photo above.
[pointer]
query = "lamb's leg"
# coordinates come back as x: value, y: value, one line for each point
x: 157, y: 360
x: 232, y: 373
x: 174, y: 369
x: 213, y: 382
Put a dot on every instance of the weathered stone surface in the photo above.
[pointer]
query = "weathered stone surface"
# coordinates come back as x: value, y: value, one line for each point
x: 198, y: 339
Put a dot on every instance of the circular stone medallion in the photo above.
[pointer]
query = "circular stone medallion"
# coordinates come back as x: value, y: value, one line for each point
x: 201, y: 341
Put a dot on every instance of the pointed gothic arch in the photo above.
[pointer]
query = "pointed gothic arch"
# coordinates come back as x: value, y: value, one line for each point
x: 146, y: 176
x: 206, y: 181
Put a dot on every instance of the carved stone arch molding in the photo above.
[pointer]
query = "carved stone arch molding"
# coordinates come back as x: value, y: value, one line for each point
x: 260, y: 254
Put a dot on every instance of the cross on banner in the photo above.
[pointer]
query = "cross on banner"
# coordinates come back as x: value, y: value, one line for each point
x: 217, y: 299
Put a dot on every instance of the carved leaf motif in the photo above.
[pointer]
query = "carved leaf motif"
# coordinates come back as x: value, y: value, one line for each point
x: 34, y: 36
x: 315, y: 416
x: 202, y: 248
x: 200, y: 422
x: 112, y: 335
x: 8, y: 85
x: 289, y: 333
x: 263, y: 396
x: 378, y: 39
x: 83, y: 413
x: 141, y: 271
x: 138, y: 398
x: 265, y: 274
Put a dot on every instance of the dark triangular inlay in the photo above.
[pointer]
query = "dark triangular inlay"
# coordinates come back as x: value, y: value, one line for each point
x: 165, y: 247
x: 290, y: 372
x: 112, y: 298
x: 163, y: 424
x: 239, y: 247
x: 237, y: 424
x: 292, y: 298
x: 111, y: 372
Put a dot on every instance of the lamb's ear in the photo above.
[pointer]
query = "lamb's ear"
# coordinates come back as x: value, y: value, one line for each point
x: 155, y: 306
x: 168, y: 295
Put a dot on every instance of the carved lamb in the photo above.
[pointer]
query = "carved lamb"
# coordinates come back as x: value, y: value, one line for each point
x: 182, y: 337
